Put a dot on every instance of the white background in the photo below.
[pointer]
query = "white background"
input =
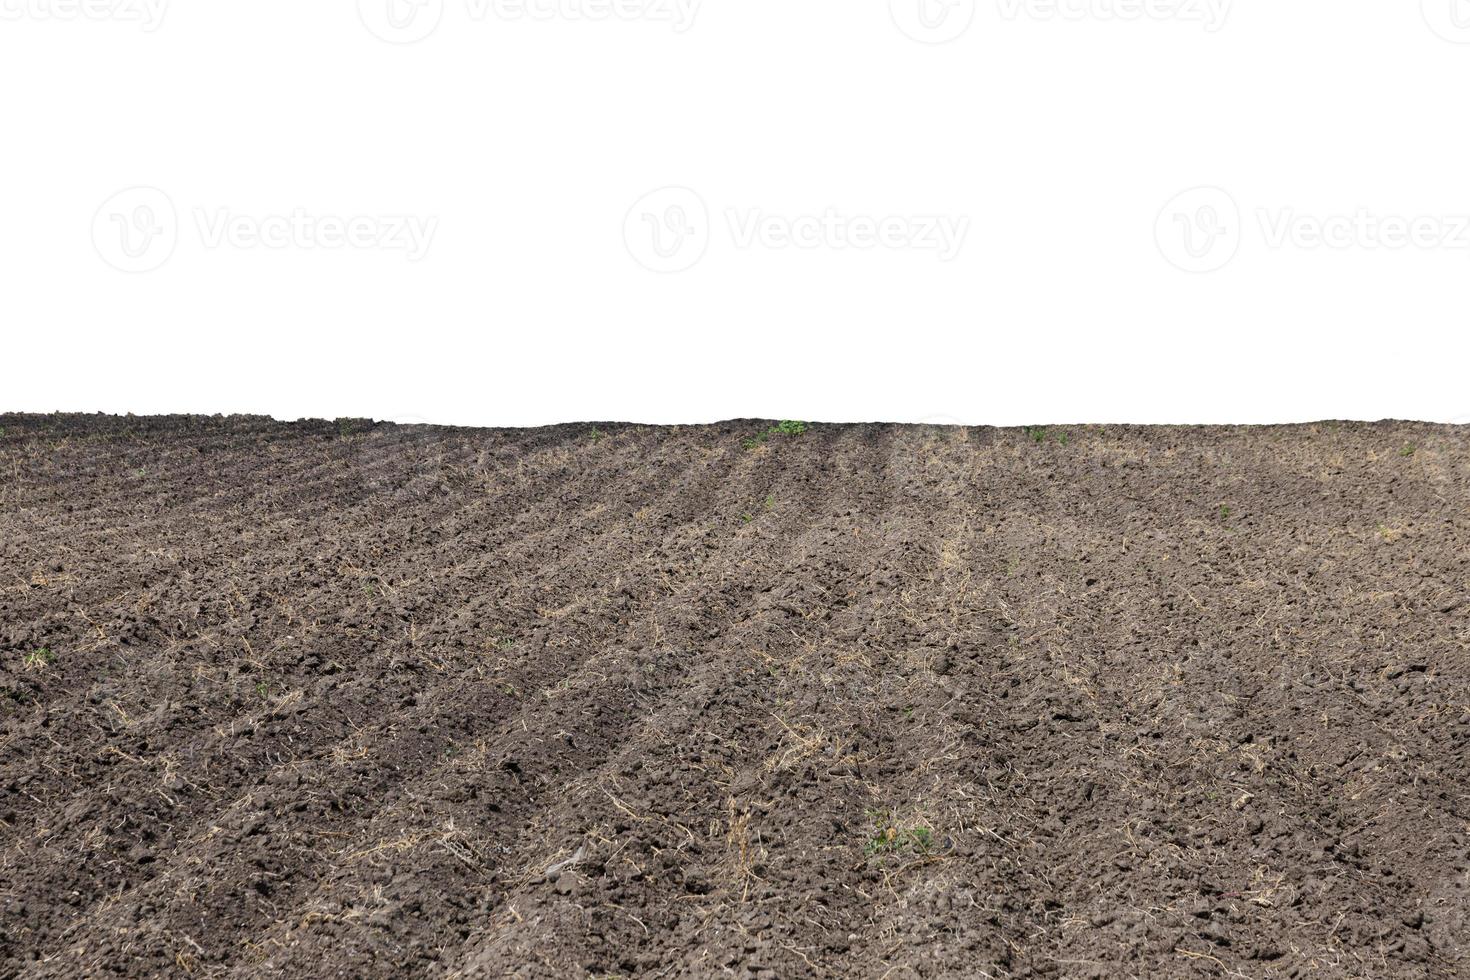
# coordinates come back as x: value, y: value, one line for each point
x: 1064, y: 136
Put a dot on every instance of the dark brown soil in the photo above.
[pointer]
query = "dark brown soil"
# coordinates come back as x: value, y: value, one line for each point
x: 335, y: 699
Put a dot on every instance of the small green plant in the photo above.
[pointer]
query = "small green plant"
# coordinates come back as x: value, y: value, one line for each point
x: 786, y: 428
x: 1036, y: 434
x: 262, y: 689
x: 1389, y: 533
x: 1224, y: 512
x: 1063, y: 438
x: 37, y: 659
x: 892, y: 837
x: 745, y: 518
x: 770, y: 503
x: 598, y: 435
x: 1408, y: 451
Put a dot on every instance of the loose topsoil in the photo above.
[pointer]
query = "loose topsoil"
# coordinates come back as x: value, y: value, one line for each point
x: 343, y: 699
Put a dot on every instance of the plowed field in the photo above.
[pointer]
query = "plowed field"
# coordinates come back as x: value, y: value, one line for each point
x: 337, y: 699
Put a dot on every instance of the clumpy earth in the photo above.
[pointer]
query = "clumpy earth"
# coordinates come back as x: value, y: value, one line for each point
x: 336, y: 699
